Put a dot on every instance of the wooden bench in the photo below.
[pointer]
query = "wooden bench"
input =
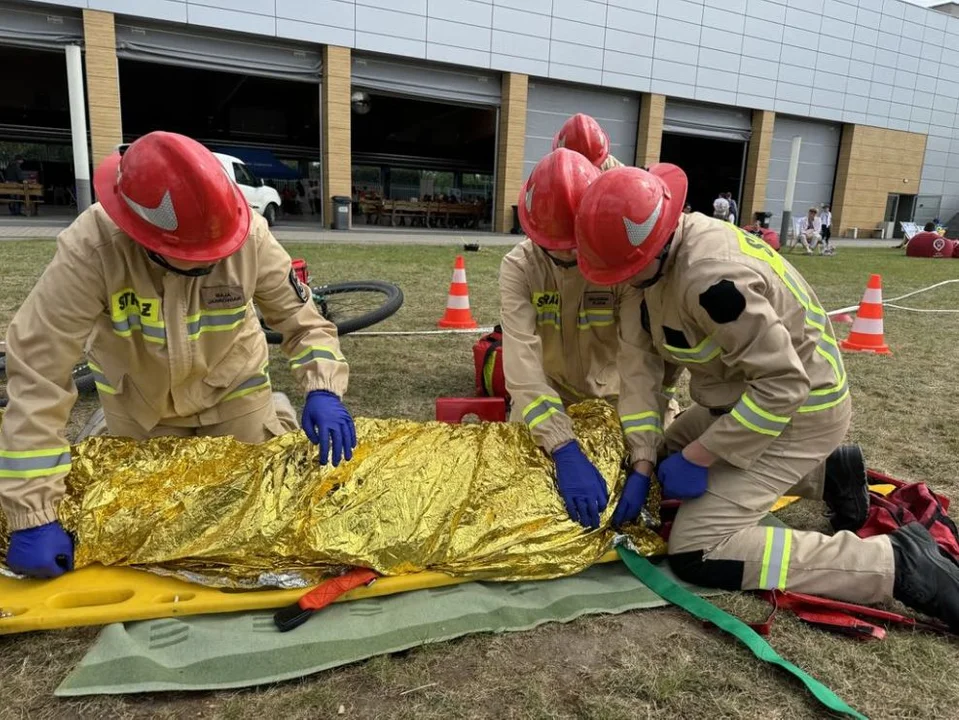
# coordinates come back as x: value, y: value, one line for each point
x: 30, y: 194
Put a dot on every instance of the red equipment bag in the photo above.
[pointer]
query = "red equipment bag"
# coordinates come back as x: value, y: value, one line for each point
x: 908, y: 503
x: 488, y: 364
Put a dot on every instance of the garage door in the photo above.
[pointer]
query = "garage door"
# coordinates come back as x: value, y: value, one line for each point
x: 549, y: 104
x: 720, y: 122
x: 38, y: 28
x: 426, y: 80
x: 209, y: 50
x: 817, y: 165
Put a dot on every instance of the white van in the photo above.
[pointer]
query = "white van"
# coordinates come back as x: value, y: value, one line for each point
x: 262, y: 198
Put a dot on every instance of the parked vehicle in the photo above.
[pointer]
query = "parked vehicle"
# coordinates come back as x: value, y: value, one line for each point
x: 261, y: 197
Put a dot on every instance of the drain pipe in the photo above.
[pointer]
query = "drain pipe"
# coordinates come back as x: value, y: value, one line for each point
x: 78, y: 127
x: 790, y: 192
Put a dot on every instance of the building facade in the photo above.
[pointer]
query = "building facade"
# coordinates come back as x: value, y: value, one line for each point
x: 871, y: 86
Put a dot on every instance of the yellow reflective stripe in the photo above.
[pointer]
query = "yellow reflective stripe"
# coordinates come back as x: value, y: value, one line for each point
x: 750, y: 403
x: 488, y: 370
x: 642, y: 422
x: 595, y: 318
x: 214, y: 321
x: 254, y: 384
x: 103, y: 385
x: 23, y: 464
x: 776, y: 553
x: 315, y: 353
x: 542, y: 408
x: 548, y: 318
x: 752, y: 425
x: 705, y: 351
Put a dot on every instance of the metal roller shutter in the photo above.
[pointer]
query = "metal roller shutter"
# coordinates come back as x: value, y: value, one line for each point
x: 210, y: 50
x: 704, y: 120
x: 549, y: 104
x: 427, y: 80
x: 818, y: 155
x: 38, y: 28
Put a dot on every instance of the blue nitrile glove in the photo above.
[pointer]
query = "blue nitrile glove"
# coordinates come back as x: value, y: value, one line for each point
x: 581, y: 485
x: 635, y: 492
x: 682, y: 479
x: 40, y: 552
x: 326, y: 421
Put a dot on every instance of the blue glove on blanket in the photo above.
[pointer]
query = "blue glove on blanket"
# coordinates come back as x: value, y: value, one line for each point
x: 581, y: 485
x: 633, y: 499
x: 325, y: 421
x: 682, y: 479
x: 40, y: 552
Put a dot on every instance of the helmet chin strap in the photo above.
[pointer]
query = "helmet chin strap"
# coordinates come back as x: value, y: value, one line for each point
x: 565, y: 264
x: 661, y: 259
x: 162, y: 262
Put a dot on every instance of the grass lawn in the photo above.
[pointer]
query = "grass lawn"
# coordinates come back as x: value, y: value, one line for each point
x: 644, y: 664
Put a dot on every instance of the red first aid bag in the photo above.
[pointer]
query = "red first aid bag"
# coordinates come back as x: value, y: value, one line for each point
x: 488, y: 365
x: 908, y: 503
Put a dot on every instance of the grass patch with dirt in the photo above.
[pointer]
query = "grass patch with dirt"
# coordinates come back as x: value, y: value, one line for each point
x: 644, y: 664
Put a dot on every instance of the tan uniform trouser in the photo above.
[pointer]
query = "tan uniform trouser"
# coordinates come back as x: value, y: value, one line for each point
x: 723, y: 523
x: 264, y: 423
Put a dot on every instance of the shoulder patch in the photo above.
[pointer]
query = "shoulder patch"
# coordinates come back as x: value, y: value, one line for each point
x: 723, y: 302
x: 302, y: 292
x: 644, y: 316
x: 675, y: 338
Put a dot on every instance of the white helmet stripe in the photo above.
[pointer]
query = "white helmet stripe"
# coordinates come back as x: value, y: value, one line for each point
x: 638, y: 233
x: 529, y: 198
x: 162, y: 216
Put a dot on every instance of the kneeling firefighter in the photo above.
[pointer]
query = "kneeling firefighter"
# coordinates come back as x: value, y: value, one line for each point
x: 156, y: 282
x: 772, y: 404
x: 565, y: 339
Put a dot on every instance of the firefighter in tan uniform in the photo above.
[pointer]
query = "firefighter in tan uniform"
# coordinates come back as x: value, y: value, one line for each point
x: 772, y: 404
x: 561, y: 339
x: 156, y: 282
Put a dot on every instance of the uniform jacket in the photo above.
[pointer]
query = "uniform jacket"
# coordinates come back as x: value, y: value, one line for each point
x: 750, y: 330
x: 565, y: 340
x: 164, y: 348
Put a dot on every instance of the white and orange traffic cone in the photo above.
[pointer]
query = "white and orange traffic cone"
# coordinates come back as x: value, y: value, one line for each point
x: 867, y: 333
x: 458, y: 315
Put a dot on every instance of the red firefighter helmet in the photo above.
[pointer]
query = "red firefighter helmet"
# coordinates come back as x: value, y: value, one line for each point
x: 625, y: 219
x: 172, y: 196
x: 583, y: 134
x: 550, y: 196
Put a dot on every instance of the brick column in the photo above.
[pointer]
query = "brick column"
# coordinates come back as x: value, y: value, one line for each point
x: 512, y: 142
x: 335, y: 121
x: 873, y: 162
x: 103, y: 83
x: 757, y: 165
x: 649, y: 137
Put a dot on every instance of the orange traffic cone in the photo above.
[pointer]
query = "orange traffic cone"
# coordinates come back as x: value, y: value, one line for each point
x: 458, y: 313
x: 867, y: 333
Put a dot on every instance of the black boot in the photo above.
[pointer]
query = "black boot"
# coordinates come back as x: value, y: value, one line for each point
x: 927, y: 579
x: 846, y: 490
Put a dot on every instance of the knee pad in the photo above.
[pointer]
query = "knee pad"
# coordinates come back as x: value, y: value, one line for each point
x: 693, y: 568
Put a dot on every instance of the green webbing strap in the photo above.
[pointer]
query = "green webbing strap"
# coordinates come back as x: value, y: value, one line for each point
x: 705, y: 610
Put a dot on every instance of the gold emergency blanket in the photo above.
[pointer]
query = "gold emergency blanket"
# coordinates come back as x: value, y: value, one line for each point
x: 474, y: 500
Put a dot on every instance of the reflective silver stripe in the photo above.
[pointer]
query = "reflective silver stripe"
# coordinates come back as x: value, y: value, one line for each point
x: 539, y: 412
x: 825, y: 399
x: 642, y: 424
x: 33, y: 464
x: 133, y: 323
x: 315, y: 354
x: 833, y: 352
x: 707, y: 350
x: 245, y: 388
x: 204, y: 321
x: 776, y: 554
x: 588, y: 319
x: 755, y: 421
x: 816, y: 318
x: 547, y: 318
x: 797, y: 289
x: 101, y: 380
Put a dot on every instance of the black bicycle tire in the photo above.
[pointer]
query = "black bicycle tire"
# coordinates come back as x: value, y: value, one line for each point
x: 82, y: 375
x: 393, y: 302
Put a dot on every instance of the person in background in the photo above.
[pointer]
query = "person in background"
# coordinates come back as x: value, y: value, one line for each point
x: 14, y: 174
x: 687, y: 208
x: 721, y: 208
x: 810, y: 231
x: 825, y: 222
x: 733, y: 207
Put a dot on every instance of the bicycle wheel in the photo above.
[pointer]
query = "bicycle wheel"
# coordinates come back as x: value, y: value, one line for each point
x: 352, y: 306
x: 82, y: 375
